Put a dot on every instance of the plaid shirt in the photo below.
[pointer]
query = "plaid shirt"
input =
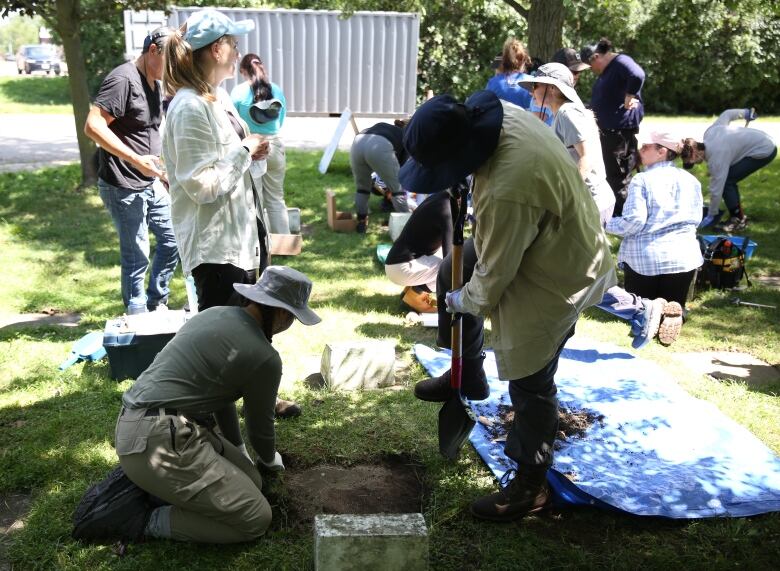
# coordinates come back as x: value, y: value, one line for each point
x: 660, y: 217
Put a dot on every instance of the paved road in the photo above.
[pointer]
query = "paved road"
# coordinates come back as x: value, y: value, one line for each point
x: 32, y: 141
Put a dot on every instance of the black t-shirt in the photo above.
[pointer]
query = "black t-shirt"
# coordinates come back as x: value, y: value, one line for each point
x: 125, y: 95
x: 428, y: 229
x: 393, y: 134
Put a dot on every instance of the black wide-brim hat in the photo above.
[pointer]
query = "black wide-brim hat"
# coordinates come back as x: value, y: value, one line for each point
x: 447, y: 140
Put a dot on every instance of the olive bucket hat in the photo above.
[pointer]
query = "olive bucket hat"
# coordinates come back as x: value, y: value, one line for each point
x: 281, y: 286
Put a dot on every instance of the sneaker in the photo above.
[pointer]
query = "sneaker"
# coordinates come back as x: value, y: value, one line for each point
x: 420, y: 301
x: 733, y: 224
x: 649, y: 322
x: 526, y: 493
x: 671, y: 324
x: 286, y: 409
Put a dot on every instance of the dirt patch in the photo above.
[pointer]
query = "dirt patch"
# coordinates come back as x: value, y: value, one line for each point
x: 392, y: 486
x: 572, y: 423
x: 13, y: 509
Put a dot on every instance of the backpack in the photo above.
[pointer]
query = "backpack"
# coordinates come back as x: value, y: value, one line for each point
x: 724, y: 263
x: 112, y: 509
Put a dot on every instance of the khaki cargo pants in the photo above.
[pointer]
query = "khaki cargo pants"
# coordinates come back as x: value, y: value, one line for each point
x: 214, y: 488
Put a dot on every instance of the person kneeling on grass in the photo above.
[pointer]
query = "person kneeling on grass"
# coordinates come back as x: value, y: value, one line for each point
x: 417, y: 253
x: 177, y: 435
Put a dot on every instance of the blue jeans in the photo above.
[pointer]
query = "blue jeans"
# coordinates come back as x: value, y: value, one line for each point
x: 738, y: 171
x: 135, y: 213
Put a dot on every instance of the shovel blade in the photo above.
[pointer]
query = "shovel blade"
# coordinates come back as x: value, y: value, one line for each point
x: 455, y: 424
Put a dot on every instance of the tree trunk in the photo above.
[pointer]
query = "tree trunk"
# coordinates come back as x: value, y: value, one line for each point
x: 67, y: 25
x: 545, y: 28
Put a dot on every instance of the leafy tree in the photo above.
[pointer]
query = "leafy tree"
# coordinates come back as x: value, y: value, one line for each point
x: 16, y: 31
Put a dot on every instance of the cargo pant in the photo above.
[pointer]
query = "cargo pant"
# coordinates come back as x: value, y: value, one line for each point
x: 214, y: 489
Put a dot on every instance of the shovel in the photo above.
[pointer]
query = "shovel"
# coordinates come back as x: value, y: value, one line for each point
x: 456, y: 419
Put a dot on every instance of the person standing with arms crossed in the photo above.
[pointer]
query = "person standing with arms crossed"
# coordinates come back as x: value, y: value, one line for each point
x: 125, y: 122
x: 616, y: 101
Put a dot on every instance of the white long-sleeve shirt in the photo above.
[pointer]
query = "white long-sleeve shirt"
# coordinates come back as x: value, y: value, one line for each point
x: 212, y: 201
x: 725, y: 145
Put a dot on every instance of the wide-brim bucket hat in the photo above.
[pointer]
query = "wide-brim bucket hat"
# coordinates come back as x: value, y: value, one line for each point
x: 448, y: 140
x: 555, y: 74
x: 282, y: 286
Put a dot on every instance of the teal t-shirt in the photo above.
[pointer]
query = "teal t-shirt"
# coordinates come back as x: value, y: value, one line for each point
x: 242, y: 99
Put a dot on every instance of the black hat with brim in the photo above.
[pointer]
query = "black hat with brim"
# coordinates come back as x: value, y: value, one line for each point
x: 447, y: 140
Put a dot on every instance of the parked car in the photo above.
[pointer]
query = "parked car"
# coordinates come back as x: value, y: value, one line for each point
x: 37, y: 57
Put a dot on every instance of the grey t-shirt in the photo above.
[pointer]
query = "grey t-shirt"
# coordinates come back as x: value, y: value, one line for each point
x: 574, y: 124
x: 218, y: 356
x: 137, y: 109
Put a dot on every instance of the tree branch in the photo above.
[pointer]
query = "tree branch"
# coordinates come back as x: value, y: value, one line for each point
x: 523, y: 11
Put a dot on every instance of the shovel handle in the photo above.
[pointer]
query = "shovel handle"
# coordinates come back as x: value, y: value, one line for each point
x: 456, y: 344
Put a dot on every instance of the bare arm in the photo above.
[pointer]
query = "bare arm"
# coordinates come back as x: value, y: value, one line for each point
x: 96, y: 128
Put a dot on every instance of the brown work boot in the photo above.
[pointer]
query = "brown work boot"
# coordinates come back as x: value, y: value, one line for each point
x: 286, y: 409
x: 420, y: 301
x: 671, y: 323
x: 527, y: 493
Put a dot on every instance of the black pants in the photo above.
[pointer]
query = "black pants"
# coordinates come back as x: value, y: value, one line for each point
x: 473, y: 330
x: 671, y: 287
x: 214, y: 284
x: 532, y: 436
x: 619, y: 149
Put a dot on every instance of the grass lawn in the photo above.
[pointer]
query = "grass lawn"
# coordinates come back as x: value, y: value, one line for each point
x: 35, y: 94
x: 58, y: 250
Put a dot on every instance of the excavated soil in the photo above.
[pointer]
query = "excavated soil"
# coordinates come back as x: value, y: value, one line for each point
x: 392, y: 486
x: 572, y: 423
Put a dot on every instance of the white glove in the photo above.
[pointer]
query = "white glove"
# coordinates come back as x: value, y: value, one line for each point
x: 276, y: 466
x: 245, y: 452
x: 453, y: 301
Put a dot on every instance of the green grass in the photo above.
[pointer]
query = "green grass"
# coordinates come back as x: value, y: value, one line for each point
x: 58, y: 249
x: 35, y: 95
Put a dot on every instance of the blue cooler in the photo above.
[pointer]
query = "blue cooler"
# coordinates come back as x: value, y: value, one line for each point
x: 133, y: 341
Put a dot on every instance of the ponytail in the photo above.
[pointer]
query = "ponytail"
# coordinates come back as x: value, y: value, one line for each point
x: 514, y: 57
x: 184, y: 67
x: 252, y: 65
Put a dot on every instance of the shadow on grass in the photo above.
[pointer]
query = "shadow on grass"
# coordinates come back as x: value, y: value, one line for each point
x: 36, y: 90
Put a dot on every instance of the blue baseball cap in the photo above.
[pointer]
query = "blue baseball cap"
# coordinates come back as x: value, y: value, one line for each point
x: 207, y: 26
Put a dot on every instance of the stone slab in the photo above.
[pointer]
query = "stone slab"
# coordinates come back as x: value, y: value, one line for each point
x: 376, y: 541
x: 357, y: 365
x: 39, y: 319
x: 396, y: 223
x: 728, y: 365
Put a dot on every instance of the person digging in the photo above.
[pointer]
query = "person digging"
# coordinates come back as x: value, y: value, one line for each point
x: 541, y: 258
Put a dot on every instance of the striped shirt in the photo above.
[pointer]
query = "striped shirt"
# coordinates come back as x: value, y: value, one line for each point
x: 659, y: 221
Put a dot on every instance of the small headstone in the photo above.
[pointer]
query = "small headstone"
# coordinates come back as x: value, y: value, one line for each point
x: 378, y: 542
x: 358, y: 364
x: 396, y: 223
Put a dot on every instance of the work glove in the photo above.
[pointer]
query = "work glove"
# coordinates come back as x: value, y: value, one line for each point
x: 245, y: 452
x: 707, y: 221
x: 275, y: 466
x: 453, y: 301
x: 750, y: 114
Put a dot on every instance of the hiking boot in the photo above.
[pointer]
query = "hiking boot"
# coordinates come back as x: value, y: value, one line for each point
x: 420, y: 301
x: 733, y: 224
x: 474, y: 384
x: 526, y: 493
x: 286, y: 409
x: 648, y: 322
x: 362, y: 224
x: 671, y: 324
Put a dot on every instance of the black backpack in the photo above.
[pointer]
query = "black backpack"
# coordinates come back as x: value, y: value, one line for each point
x: 724, y: 263
x: 113, y: 509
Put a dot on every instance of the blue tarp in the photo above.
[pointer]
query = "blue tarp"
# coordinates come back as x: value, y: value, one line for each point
x: 655, y: 450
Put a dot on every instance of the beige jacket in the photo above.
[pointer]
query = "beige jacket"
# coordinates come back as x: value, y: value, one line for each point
x: 542, y: 254
x: 212, y: 200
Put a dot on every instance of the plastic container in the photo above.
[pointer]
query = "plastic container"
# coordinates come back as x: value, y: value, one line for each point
x: 132, y: 342
x: 738, y: 241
